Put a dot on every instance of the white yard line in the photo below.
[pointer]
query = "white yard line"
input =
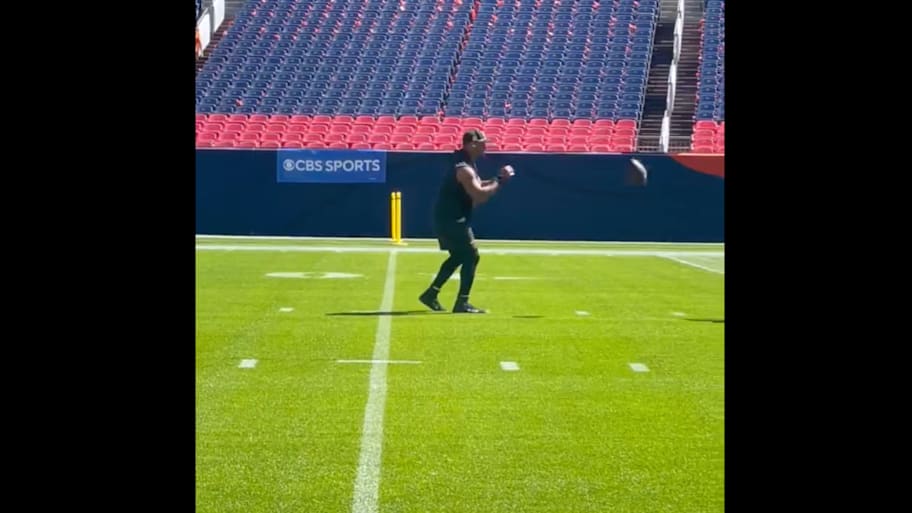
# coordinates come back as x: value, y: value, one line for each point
x: 367, y: 481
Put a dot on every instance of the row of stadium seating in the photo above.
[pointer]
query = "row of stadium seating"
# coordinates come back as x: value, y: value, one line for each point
x: 411, y: 133
x: 567, y: 75
x: 709, y: 127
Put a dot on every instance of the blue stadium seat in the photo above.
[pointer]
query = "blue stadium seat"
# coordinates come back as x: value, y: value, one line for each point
x: 329, y: 69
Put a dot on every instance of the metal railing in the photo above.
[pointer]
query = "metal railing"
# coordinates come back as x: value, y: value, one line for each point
x: 665, y: 135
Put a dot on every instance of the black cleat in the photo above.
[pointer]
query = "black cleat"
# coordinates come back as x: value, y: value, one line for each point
x: 430, y: 300
x: 465, y: 307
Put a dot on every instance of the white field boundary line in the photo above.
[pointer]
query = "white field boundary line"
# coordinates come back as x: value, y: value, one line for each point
x: 691, y: 264
x: 498, y: 241
x: 492, y: 251
x: 391, y: 362
x: 367, y: 480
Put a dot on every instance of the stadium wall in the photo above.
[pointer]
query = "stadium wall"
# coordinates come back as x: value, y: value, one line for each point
x: 553, y: 197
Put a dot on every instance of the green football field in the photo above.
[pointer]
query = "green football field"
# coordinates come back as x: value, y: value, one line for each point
x: 594, y: 384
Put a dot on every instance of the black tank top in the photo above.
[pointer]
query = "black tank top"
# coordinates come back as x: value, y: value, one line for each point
x: 453, y: 202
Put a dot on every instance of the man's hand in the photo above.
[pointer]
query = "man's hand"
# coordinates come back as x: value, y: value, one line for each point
x: 505, y: 174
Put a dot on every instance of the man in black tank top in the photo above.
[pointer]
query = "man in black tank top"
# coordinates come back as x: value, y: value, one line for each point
x: 460, y: 192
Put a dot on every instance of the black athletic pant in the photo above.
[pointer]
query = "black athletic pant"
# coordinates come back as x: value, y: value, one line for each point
x: 458, y: 239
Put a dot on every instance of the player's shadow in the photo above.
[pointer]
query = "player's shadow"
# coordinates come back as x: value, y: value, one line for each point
x: 379, y: 313
x: 409, y: 312
x: 719, y: 321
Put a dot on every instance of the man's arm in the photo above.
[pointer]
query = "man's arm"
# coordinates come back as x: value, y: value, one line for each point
x: 503, y: 176
x: 479, y: 191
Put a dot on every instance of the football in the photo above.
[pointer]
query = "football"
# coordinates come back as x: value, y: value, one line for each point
x: 637, y: 174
